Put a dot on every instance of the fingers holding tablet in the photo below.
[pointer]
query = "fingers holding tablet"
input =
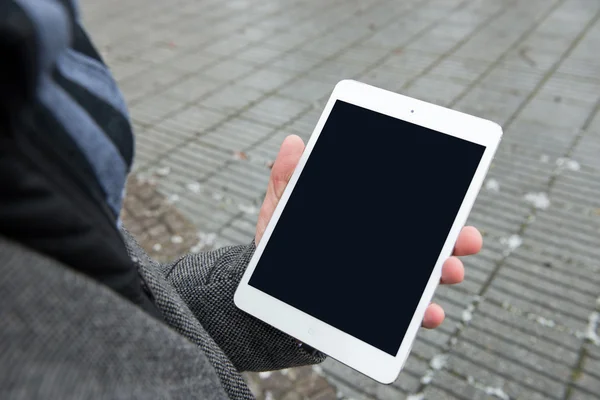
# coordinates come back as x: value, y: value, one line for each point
x: 434, y: 316
x: 469, y: 242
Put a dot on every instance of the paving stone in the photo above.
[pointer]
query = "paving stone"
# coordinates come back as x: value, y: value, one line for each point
x: 580, y: 395
x: 228, y: 70
x: 232, y: 99
x: 275, y: 110
x: 286, y: 41
x: 228, y: 45
x: 259, y: 55
x: 306, y: 89
x: 454, y: 387
x: 244, y: 226
x: 494, y: 105
x: 240, y: 183
x: 512, y: 80
x: 497, y: 371
x: 517, y: 321
x: 182, y: 162
x: 409, y: 61
x: 386, y: 77
x: 541, y: 137
x: 334, y: 71
x: 146, y: 82
x: 565, y: 88
x: 266, y: 80
x: 192, y: 88
x: 154, y: 109
x: 193, y: 61
x: 562, y: 293
x: 589, y: 383
x: 122, y: 70
x: 538, y: 305
x: 525, y: 336
x: 297, y: 61
x: 583, y: 68
x: 522, y: 354
x: 236, y: 135
x: 369, y: 387
x: 434, y: 89
x: 535, y: 270
x: 325, y: 46
x: 192, y: 121
x: 347, y: 391
x: 558, y: 114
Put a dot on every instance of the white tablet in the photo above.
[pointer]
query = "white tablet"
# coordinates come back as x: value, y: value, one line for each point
x: 354, y: 251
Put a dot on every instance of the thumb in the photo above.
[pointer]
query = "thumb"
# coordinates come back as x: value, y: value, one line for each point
x: 283, y: 168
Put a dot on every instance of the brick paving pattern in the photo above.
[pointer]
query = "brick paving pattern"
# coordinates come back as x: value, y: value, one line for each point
x: 214, y: 87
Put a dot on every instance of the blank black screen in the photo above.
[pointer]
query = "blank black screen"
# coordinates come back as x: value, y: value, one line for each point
x: 365, y: 224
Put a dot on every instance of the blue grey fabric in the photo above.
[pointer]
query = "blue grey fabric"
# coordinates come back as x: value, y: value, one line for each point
x: 92, y: 75
x: 54, y: 30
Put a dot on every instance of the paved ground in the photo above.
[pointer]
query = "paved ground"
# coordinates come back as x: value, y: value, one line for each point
x: 214, y: 86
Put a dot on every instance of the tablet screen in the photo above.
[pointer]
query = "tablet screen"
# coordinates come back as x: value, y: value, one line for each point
x: 363, y: 228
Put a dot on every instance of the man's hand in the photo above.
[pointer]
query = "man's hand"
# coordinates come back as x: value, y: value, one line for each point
x: 469, y: 241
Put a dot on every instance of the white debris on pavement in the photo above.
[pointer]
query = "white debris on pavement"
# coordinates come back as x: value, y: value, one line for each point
x: 545, y: 321
x: 264, y: 374
x: 540, y: 320
x: 248, y: 209
x: 204, y: 240
x: 427, y: 378
x: 194, y: 187
x: 173, y: 198
x: 317, y: 369
x: 176, y: 239
x: 567, y: 163
x: 489, y: 390
x: 269, y: 396
x: 539, y: 200
x: 496, y: 392
x: 163, y: 171
x: 217, y: 196
x: 416, y: 396
x: 492, y: 185
x: 438, y: 361
x: 591, y: 333
x: 467, y: 314
x: 157, y: 247
x: 513, y: 242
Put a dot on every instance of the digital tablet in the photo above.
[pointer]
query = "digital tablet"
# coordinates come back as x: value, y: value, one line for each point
x: 354, y: 251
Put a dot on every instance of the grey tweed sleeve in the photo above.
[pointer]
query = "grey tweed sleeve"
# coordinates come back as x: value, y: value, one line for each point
x: 207, y: 282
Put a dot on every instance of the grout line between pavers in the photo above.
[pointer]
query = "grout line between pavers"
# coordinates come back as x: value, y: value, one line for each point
x: 482, y: 25
x: 221, y: 58
x: 551, y: 72
x: 498, y: 60
x: 196, y: 102
x: 499, y: 373
x: 273, y: 91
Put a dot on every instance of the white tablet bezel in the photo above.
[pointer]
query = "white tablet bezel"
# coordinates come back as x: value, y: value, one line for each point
x: 335, y: 343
